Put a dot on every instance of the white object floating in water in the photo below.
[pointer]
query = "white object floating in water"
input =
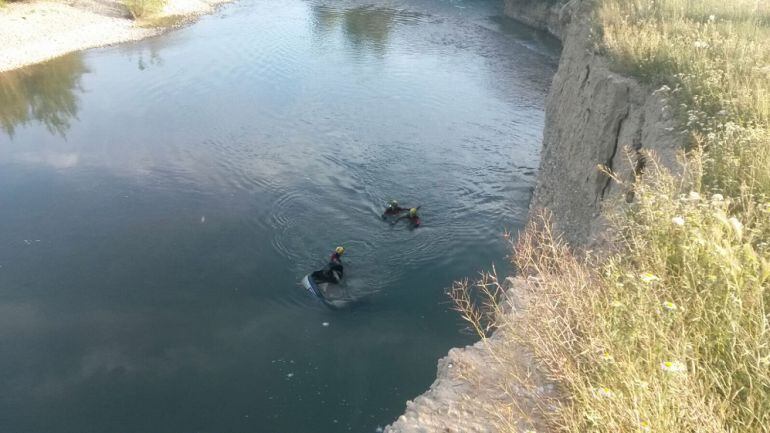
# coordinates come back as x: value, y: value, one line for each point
x: 290, y: 375
x: 325, y: 324
x: 203, y: 219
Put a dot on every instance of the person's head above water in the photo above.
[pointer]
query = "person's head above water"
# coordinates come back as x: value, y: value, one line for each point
x: 392, y: 204
x: 413, y: 212
x: 340, y: 250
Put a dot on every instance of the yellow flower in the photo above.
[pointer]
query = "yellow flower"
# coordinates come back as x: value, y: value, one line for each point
x: 606, y: 357
x: 644, y: 426
x: 648, y: 277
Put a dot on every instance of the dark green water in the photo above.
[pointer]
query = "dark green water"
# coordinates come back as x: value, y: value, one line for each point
x: 160, y: 201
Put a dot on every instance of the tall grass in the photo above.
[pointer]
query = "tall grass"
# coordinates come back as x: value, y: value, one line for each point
x: 713, y: 57
x: 668, y: 328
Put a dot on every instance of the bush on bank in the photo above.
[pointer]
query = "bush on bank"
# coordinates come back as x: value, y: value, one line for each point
x: 669, y: 328
x: 143, y: 8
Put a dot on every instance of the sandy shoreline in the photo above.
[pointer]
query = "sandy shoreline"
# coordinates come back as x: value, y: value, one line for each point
x: 32, y: 32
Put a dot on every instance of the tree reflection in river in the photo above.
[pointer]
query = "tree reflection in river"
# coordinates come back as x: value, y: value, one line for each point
x: 43, y: 92
x: 366, y: 27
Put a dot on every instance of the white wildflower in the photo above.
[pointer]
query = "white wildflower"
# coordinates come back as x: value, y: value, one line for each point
x: 604, y: 393
x: 678, y: 221
x: 736, y: 226
x: 716, y: 198
x: 712, y: 18
x: 694, y: 196
x: 670, y: 306
x: 765, y: 70
x: 648, y: 277
x: 673, y: 367
x: 700, y: 44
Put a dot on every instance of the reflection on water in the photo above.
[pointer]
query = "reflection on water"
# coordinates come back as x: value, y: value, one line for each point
x: 44, y: 92
x: 366, y: 27
x: 153, y: 59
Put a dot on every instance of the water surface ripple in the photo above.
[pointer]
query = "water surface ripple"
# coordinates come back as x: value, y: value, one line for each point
x: 160, y: 201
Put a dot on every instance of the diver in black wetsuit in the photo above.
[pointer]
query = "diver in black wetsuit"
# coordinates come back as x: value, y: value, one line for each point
x: 393, y: 209
x: 412, y: 217
x: 333, y: 271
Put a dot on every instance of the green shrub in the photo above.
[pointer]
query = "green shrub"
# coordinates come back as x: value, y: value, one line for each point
x: 143, y: 8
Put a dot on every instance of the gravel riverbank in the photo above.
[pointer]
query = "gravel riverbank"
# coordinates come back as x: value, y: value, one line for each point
x: 32, y: 32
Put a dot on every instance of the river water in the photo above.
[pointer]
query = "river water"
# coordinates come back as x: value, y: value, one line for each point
x: 161, y: 200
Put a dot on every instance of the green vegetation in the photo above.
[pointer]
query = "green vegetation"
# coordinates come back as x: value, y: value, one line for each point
x: 143, y: 8
x: 667, y: 329
x: 714, y: 58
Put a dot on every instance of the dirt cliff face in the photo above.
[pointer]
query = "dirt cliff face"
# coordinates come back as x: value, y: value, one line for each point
x: 593, y: 117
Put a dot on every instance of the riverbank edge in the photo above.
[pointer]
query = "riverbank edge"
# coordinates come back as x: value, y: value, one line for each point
x: 593, y: 117
x: 38, y: 31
